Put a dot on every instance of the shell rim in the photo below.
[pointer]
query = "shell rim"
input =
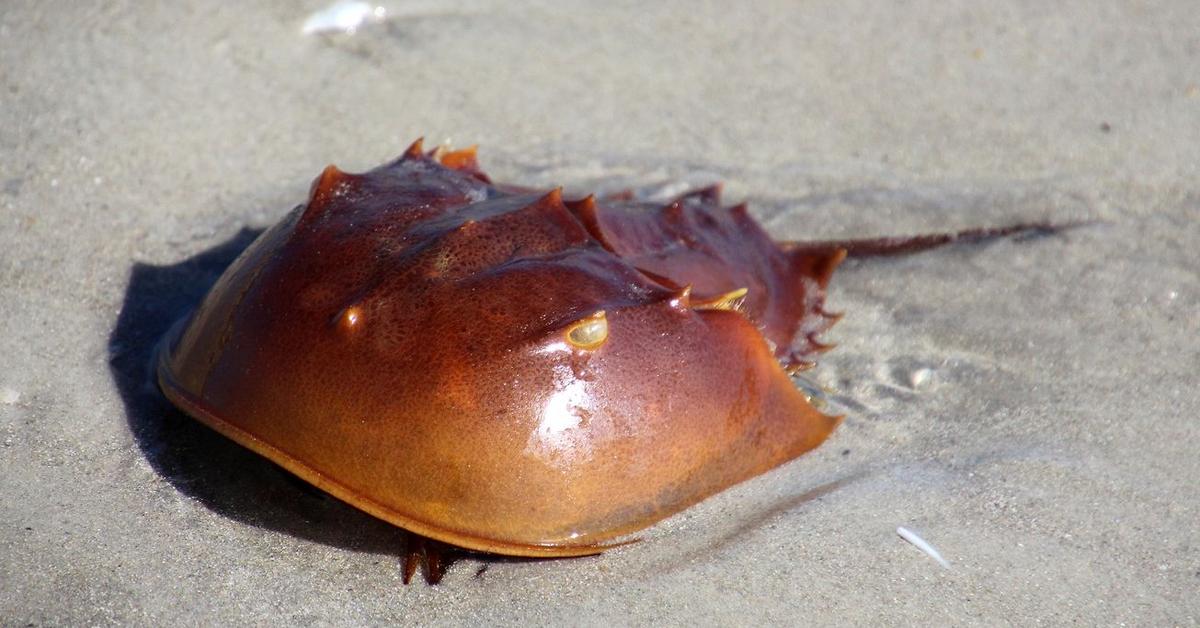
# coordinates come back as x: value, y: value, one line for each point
x: 195, y: 408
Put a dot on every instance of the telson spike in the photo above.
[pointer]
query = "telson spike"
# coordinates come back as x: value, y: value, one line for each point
x: 731, y: 300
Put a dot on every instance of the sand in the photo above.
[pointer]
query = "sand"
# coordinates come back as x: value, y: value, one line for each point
x: 1028, y: 407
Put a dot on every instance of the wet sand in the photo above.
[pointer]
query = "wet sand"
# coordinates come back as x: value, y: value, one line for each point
x: 1029, y: 407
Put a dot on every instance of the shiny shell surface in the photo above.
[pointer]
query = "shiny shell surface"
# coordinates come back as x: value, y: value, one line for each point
x: 503, y: 369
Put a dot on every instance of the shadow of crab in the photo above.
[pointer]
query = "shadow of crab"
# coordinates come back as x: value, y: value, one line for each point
x: 227, y: 478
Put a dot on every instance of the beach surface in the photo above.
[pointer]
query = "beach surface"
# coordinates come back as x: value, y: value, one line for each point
x: 1027, y: 406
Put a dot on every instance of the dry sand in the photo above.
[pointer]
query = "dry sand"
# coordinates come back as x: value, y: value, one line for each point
x: 1029, y: 407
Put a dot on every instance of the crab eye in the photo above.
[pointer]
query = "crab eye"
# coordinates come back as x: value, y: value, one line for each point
x: 590, y: 332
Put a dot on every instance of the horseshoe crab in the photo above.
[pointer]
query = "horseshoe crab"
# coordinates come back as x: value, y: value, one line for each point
x: 506, y: 370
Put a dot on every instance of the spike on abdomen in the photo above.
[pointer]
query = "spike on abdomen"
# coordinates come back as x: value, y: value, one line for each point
x: 415, y: 150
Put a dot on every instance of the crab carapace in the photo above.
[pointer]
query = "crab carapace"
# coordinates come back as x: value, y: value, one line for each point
x: 506, y: 370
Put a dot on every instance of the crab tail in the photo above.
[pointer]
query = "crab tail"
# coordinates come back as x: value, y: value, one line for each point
x: 906, y: 245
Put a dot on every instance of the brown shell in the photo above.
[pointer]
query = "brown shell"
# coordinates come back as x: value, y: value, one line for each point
x: 502, y: 370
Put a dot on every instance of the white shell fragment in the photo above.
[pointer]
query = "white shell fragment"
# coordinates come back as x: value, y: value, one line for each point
x: 921, y: 544
x: 920, y: 377
x: 342, y: 17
